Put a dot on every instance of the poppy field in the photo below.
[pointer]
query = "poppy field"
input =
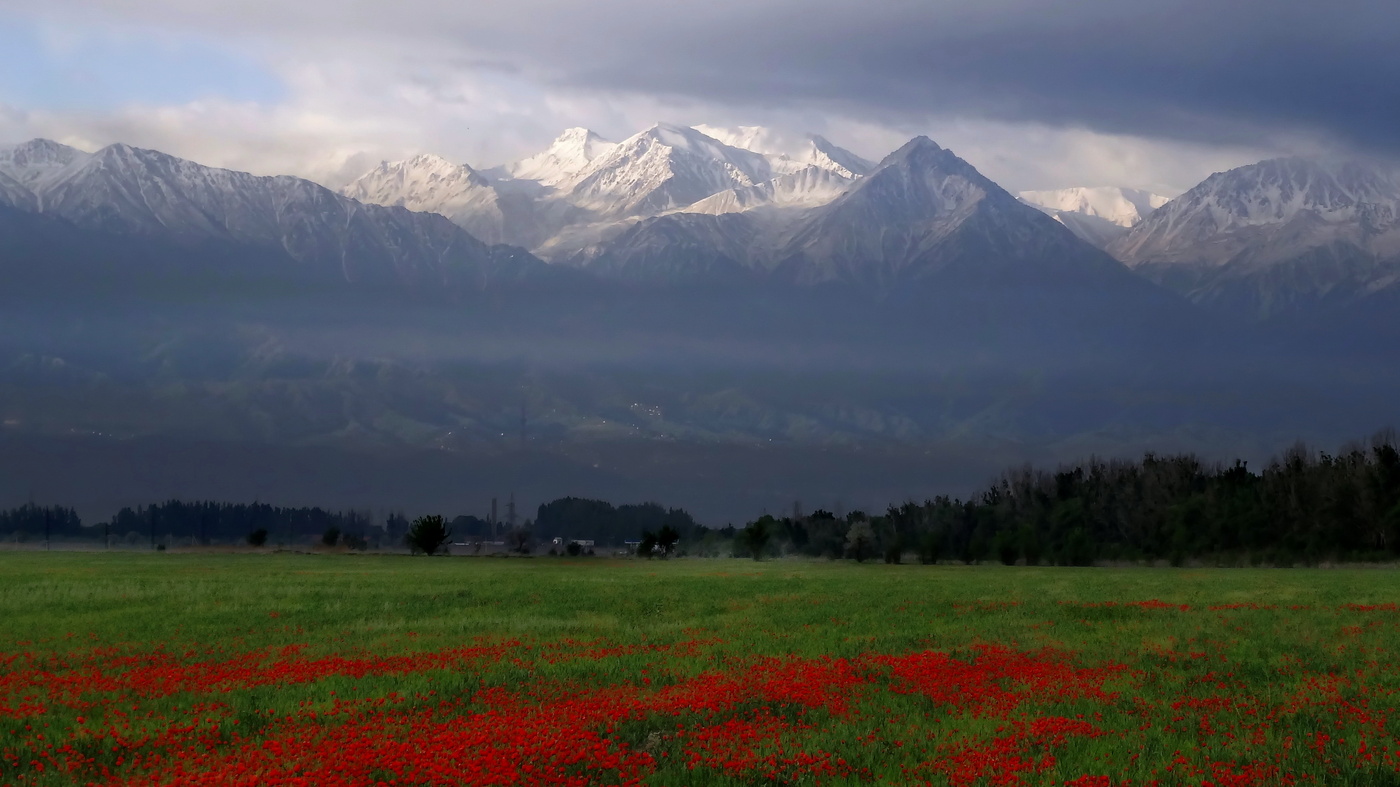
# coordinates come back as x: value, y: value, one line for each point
x: 202, y: 669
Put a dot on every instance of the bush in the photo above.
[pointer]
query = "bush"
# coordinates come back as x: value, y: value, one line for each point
x: 574, y: 549
x: 355, y: 541
x: 258, y: 537
x: 428, y: 535
x: 331, y: 537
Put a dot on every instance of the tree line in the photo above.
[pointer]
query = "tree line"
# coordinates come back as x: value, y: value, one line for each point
x: 1302, y: 507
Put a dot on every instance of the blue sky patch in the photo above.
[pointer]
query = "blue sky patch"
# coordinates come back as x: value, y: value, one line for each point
x: 96, y: 70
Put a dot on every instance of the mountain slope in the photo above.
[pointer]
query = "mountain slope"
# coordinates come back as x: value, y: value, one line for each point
x: 431, y: 184
x: 14, y: 194
x: 1274, y: 237
x: 809, y: 187
x: 35, y: 162
x: 788, y: 153
x: 663, y: 168
x: 924, y: 213
x: 129, y: 191
x: 563, y: 160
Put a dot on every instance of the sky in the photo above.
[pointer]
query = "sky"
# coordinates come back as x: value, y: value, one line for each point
x: 1037, y: 95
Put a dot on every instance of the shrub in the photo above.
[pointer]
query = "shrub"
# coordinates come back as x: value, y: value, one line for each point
x: 428, y: 534
x: 331, y: 537
x: 574, y: 549
x: 258, y: 537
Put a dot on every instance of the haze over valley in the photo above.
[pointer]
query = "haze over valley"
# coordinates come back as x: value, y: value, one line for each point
x: 621, y: 313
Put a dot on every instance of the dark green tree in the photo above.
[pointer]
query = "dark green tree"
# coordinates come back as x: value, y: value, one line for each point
x: 428, y: 535
x: 667, y: 539
x: 756, y: 535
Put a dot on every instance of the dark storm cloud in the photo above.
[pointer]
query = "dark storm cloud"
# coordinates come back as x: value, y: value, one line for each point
x: 1224, y: 71
x: 1208, y: 70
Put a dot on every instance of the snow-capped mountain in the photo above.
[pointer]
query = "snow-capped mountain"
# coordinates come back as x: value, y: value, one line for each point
x: 663, y: 168
x: 35, y: 162
x: 1272, y: 210
x: 1121, y: 206
x: 123, y: 190
x: 809, y: 187
x: 788, y: 153
x: 922, y: 214
x: 1098, y: 215
x: 432, y: 184
x: 563, y: 160
x: 1276, y: 236
x: 583, y: 191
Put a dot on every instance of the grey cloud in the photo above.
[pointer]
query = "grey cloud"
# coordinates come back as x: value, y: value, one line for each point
x: 1198, y: 70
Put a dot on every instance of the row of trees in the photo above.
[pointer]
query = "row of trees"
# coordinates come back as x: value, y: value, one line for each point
x: 608, y: 525
x: 1304, y: 506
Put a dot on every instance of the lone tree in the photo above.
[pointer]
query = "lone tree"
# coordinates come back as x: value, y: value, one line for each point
x: 520, y: 540
x: 647, y: 547
x: 860, y: 541
x: 667, y: 539
x: 756, y: 537
x: 428, y: 534
x: 331, y: 537
x: 258, y: 537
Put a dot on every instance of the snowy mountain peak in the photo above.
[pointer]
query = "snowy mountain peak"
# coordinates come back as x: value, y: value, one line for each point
x: 1288, y: 205
x: 431, y: 184
x: 33, y: 162
x: 663, y: 168
x: 418, y: 179
x: 791, y: 153
x: 1123, y: 207
x: 565, y: 158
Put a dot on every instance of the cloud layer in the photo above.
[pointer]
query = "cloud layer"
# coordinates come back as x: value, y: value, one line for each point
x: 1155, y: 94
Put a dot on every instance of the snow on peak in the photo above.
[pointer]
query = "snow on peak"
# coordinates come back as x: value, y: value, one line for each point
x: 424, y: 180
x: 1123, y: 207
x: 569, y: 155
x: 790, y: 153
x: 1294, y: 203
x: 33, y: 162
x: 663, y: 168
x: 431, y: 184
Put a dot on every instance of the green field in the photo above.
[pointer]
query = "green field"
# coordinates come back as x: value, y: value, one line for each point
x: 343, y: 669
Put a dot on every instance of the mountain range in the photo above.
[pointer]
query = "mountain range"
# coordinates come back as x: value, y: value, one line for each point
x: 692, y: 286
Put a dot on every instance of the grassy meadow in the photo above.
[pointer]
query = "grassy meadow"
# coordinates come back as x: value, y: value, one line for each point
x: 190, y: 668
